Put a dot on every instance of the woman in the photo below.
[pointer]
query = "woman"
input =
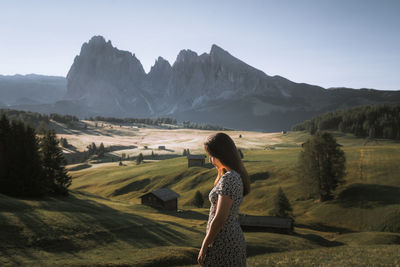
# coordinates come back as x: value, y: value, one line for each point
x: 224, y: 244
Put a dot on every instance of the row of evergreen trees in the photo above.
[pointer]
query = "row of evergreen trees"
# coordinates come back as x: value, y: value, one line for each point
x: 149, y: 121
x: 30, y: 166
x: 194, y: 125
x: 380, y: 121
x: 94, y: 150
x: 158, y: 121
x: 33, y: 119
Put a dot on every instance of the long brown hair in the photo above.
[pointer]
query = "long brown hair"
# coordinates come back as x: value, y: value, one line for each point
x: 221, y: 146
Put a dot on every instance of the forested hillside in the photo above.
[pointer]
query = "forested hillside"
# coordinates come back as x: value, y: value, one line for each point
x: 381, y: 121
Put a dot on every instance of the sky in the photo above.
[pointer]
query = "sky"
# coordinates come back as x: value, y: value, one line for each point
x: 335, y: 43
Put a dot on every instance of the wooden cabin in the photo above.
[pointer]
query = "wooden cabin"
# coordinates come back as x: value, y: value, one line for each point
x: 164, y: 198
x: 252, y: 223
x: 195, y: 160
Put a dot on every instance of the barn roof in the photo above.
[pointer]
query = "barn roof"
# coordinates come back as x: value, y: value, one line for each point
x: 266, y: 221
x: 164, y: 194
x: 190, y: 156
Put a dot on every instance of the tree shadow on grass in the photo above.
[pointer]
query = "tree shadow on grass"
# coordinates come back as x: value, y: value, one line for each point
x: 184, y: 214
x: 325, y: 228
x: 368, y: 196
x: 259, y: 176
x: 12, y: 239
x: 134, y: 186
x: 191, y: 229
x: 318, y: 240
x: 79, y: 224
x: 254, y: 250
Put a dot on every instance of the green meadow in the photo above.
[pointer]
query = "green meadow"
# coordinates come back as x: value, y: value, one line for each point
x: 102, y: 222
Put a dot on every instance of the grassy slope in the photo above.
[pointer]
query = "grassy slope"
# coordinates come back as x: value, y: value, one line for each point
x: 89, y: 230
x: 371, y: 191
x: 102, y: 223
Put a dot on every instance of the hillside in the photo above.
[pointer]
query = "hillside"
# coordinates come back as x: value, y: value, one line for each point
x: 373, y: 199
x: 103, y: 217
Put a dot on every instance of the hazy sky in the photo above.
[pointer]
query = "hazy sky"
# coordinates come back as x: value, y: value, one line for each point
x: 328, y: 43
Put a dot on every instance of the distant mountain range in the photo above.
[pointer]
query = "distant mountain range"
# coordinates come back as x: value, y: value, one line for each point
x: 214, y: 88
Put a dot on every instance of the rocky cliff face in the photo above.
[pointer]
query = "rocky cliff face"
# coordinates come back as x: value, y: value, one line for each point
x: 107, y: 79
x: 212, y: 87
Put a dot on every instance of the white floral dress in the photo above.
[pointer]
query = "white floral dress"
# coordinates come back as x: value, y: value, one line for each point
x: 229, y: 246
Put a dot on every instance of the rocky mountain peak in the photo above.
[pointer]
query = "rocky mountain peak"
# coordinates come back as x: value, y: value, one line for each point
x: 103, y: 74
x: 160, y: 64
x: 215, y: 50
x: 186, y: 56
x: 97, y: 44
x: 219, y: 55
x: 97, y: 40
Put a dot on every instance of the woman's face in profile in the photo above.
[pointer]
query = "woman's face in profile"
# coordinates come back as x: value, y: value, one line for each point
x: 214, y: 161
x: 211, y: 159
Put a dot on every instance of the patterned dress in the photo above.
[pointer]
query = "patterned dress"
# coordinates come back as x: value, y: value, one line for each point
x: 228, y: 247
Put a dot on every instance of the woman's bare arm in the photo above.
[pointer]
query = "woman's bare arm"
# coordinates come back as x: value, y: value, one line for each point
x: 224, y: 205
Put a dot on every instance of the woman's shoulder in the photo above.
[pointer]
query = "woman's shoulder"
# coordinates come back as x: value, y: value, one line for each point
x: 231, y: 174
x: 234, y: 173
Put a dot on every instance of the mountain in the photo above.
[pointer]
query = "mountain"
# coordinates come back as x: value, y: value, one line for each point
x: 213, y: 87
x: 107, y: 80
x: 31, y: 89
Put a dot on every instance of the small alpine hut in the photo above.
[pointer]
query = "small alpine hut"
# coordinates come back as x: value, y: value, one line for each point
x: 164, y: 198
x: 195, y: 160
x: 251, y: 223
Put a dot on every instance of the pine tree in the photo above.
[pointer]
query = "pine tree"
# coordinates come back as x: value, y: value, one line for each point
x: 322, y: 165
x: 34, y: 183
x: 139, y: 159
x: 101, y: 150
x: 5, y: 158
x: 198, y: 200
x: 184, y: 152
x: 54, y: 163
x: 20, y: 164
x: 42, y: 128
x: 92, y: 149
x: 282, y: 207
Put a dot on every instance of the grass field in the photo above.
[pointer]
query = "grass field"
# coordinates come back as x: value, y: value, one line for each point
x: 102, y: 222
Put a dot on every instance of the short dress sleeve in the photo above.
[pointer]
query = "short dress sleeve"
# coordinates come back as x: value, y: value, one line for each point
x: 226, y: 186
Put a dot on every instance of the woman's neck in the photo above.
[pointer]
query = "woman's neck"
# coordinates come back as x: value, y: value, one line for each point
x: 226, y: 168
